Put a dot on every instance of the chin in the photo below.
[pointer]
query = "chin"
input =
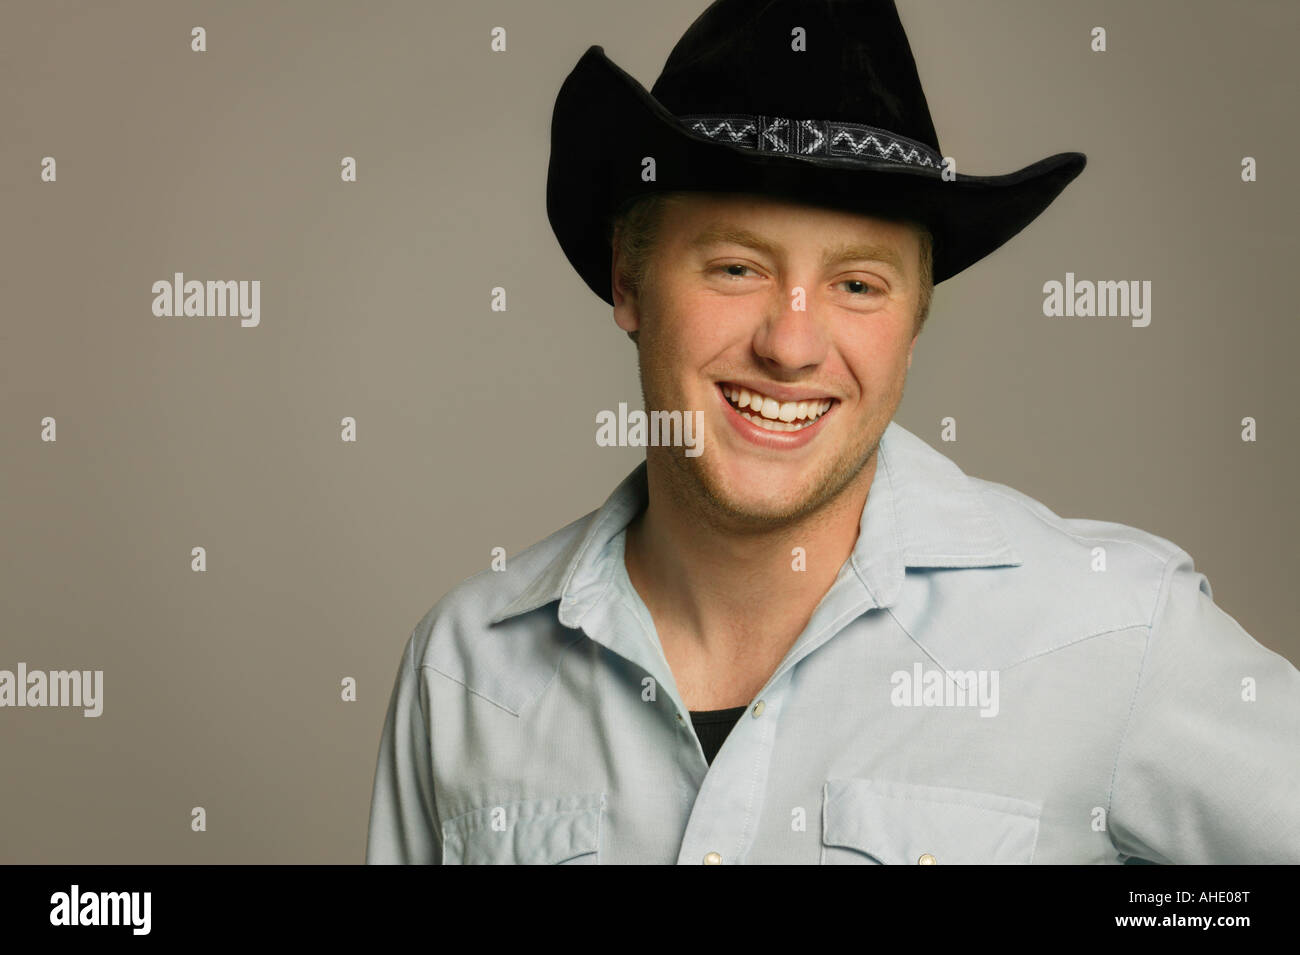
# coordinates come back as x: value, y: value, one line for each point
x: 749, y: 492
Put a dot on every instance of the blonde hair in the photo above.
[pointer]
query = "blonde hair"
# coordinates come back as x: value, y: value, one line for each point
x: 634, y: 229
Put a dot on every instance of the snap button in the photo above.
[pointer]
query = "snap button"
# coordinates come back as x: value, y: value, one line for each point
x: 758, y: 709
x: 712, y: 859
x: 927, y: 859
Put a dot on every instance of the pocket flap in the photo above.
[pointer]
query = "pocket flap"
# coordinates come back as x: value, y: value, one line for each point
x: 903, y: 823
x: 560, y: 829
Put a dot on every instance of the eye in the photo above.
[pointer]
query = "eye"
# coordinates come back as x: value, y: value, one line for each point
x: 734, y: 270
x: 859, y: 287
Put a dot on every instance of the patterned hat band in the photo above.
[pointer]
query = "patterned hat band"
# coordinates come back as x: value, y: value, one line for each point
x: 812, y: 137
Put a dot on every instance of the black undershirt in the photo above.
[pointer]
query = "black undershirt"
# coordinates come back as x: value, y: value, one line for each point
x: 712, y: 727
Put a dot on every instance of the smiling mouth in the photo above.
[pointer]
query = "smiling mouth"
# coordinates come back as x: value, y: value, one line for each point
x: 773, y: 415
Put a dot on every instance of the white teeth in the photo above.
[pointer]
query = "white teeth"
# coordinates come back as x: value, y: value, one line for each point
x: 775, y: 415
x: 774, y: 425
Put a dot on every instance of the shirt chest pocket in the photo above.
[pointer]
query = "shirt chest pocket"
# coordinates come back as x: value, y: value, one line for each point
x: 561, y: 830
x: 869, y: 822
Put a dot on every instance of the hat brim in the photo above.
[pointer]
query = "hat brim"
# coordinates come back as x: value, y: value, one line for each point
x: 605, y: 123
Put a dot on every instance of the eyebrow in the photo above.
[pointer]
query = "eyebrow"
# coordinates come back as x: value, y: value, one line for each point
x: 833, y: 256
x: 717, y: 235
x: 858, y: 253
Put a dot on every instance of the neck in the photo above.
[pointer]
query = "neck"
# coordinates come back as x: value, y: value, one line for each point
x: 724, y: 589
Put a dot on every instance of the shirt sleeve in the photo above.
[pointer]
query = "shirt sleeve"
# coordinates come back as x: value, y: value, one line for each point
x: 1209, y: 765
x: 403, y: 827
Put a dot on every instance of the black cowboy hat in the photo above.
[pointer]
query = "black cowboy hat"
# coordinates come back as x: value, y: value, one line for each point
x: 813, y: 100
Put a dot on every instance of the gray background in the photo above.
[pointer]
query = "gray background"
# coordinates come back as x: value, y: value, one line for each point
x: 476, y: 427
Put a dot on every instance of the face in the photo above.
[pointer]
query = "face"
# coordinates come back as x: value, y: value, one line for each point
x: 799, y: 313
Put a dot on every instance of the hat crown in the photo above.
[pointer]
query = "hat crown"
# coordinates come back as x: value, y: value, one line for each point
x: 855, y: 65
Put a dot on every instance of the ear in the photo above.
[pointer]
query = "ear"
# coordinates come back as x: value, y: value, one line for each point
x: 627, y: 314
x: 910, y: 349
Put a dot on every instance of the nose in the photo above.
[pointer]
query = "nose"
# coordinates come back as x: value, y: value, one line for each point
x: 792, y: 336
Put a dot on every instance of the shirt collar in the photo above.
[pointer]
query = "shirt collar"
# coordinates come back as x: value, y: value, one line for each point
x: 922, y: 511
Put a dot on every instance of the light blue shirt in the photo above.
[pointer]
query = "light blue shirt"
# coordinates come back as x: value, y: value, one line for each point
x: 984, y: 682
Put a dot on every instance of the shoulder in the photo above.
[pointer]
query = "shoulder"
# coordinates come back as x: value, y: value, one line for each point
x: 1076, y: 578
x: 464, y: 638
x: 1038, y: 531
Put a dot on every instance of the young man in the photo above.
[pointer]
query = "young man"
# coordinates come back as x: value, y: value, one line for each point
x: 818, y: 640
